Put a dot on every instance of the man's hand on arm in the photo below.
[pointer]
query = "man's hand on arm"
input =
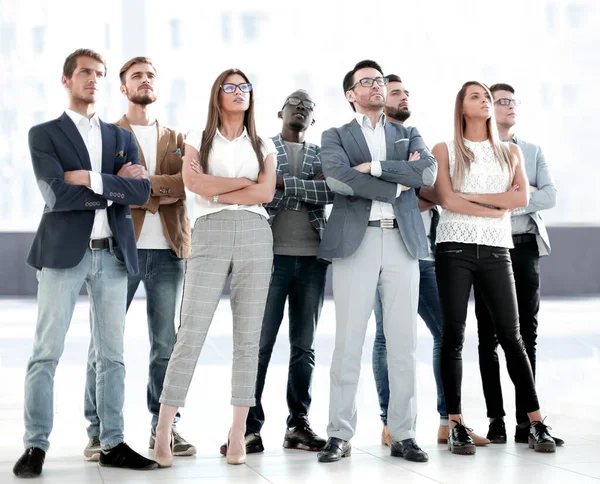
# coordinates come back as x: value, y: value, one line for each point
x: 319, y: 176
x: 78, y: 177
x: 363, y: 168
x: 129, y: 170
x: 279, y: 182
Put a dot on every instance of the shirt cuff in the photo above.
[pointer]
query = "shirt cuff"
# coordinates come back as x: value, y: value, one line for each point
x: 398, y: 190
x: 376, y: 168
x: 97, y: 186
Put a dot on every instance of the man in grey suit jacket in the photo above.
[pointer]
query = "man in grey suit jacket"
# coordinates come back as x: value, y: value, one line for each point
x: 531, y: 241
x: 374, y: 237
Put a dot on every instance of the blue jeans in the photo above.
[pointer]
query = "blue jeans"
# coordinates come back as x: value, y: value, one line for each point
x: 301, y: 281
x: 105, y: 276
x: 161, y: 272
x: 430, y: 312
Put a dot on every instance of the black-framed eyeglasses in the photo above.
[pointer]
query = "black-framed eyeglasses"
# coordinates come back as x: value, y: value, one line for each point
x: 295, y: 101
x: 505, y: 101
x: 368, y: 82
x: 230, y: 88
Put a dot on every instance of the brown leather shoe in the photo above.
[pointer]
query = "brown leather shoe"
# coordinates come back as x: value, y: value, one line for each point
x: 478, y: 440
x: 443, y: 434
x: 386, y: 438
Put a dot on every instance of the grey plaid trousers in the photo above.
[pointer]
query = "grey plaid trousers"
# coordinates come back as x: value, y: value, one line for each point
x: 239, y: 242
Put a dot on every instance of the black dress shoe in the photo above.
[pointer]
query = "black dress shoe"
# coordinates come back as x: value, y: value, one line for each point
x: 30, y: 463
x: 408, y: 449
x: 459, y: 440
x: 125, y: 457
x: 254, y: 444
x: 303, y: 438
x: 522, y: 436
x: 540, y: 439
x: 334, y: 450
x: 497, y: 432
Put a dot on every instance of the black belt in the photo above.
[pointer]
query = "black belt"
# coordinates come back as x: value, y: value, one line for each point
x: 523, y: 238
x: 101, y: 244
x: 388, y: 223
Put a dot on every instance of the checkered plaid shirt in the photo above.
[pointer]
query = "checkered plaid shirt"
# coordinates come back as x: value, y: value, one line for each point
x: 315, y: 194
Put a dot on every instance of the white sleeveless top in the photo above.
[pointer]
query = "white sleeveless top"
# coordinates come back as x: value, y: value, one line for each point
x: 486, y: 175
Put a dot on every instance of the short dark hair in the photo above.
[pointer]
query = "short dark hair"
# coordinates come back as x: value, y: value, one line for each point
x: 393, y: 78
x: 132, y: 62
x: 501, y: 87
x: 71, y: 61
x: 349, y: 77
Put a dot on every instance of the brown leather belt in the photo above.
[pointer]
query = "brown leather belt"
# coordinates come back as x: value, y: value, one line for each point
x: 389, y: 223
x: 101, y: 244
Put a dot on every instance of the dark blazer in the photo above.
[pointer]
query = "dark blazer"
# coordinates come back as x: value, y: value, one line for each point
x: 64, y: 231
x: 345, y: 147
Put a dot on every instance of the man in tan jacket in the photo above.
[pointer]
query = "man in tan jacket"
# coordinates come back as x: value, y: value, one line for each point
x: 162, y: 233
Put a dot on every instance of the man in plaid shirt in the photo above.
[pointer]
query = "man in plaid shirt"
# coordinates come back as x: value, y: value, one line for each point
x: 297, y: 216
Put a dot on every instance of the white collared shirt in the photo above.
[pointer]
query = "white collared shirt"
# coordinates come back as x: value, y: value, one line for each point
x: 230, y: 159
x: 89, y: 129
x: 152, y: 235
x: 375, y: 138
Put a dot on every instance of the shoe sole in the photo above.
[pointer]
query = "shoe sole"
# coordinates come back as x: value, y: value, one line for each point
x: 466, y: 450
x: 344, y: 455
x: 150, y: 467
x: 95, y: 457
x: 544, y: 447
x: 498, y: 441
x: 185, y: 453
x: 299, y: 446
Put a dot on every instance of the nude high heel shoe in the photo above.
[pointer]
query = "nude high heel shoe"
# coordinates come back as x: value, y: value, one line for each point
x: 236, y: 459
x: 167, y: 459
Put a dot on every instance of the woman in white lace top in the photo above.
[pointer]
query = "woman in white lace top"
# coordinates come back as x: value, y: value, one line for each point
x: 480, y: 180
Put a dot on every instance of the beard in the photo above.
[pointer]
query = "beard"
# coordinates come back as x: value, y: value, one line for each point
x: 142, y: 98
x: 400, y: 114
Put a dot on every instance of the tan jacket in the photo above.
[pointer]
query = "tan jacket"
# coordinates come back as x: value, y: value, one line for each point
x: 168, y: 181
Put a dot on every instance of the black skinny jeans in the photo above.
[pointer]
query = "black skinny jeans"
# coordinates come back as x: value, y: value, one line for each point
x: 458, y: 267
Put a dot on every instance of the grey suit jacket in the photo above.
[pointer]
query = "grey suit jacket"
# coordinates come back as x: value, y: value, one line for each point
x: 545, y: 198
x: 345, y: 147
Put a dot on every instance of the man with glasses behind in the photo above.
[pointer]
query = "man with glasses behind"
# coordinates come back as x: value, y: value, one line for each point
x: 531, y: 241
x: 375, y: 237
x: 297, y: 217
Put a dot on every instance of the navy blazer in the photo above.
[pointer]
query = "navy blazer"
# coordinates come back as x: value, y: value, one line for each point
x: 64, y: 231
x: 345, y: 147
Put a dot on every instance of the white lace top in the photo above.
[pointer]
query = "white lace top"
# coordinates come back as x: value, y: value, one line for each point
x: 486, y: 175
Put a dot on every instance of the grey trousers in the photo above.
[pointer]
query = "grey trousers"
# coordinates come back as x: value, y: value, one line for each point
x: 231, y: 241
x: 380, y: 263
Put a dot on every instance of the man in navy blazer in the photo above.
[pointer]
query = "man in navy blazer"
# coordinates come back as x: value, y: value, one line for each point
x: 374, y: 236
x: 88, y: 173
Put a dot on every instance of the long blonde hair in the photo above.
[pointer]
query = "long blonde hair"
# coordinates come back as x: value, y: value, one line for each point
x: 463, y: 156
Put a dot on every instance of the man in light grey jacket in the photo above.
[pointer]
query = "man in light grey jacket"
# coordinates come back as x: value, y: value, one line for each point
x: 374, y: 237
x: 531, y: 241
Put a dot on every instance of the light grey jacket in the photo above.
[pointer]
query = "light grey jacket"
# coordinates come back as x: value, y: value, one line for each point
x: 345, y: 147
x: 539, y: 176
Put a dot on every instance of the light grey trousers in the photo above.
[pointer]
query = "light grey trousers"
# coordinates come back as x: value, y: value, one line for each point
x: 380, y: 263
x: 231, y: 241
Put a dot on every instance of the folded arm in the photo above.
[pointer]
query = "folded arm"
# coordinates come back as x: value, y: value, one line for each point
x: 260, y: 192
x: 511, y: 199
x: 316, y: 192
x: 545, y: 196
x: 343, y: 179
x: 58, y: 195
x: 449, y: 200
x: 411, y: 173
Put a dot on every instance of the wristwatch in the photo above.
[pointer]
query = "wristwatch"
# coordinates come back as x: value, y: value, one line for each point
x: 215, y: 198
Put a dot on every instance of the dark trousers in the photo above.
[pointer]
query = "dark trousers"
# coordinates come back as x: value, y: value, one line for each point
x: 458, y: 268
x: 526, y: 267
x: 301, y: 281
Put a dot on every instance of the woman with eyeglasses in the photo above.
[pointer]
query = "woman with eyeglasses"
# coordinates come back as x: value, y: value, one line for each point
x: 232, y: 172
x: 480, y: 180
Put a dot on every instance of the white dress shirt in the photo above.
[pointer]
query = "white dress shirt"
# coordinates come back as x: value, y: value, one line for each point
x: 230, y: 159
x: 152, y: 235
x: 89, y: 129
x: 375, y: 138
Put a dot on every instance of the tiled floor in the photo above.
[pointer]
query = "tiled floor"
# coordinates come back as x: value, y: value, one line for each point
x: 568, y: 385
